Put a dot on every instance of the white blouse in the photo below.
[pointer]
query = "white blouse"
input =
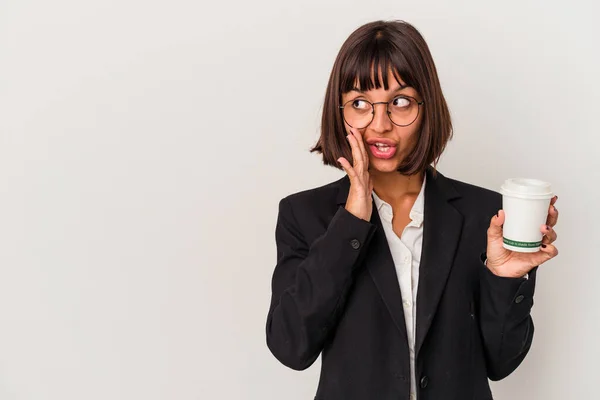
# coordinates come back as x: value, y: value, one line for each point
x: 406, y: 253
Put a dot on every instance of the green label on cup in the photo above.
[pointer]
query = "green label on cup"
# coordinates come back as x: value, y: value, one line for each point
x: 525, y: 245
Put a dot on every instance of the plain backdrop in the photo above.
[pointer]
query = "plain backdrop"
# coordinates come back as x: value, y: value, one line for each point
x: 145, y: 145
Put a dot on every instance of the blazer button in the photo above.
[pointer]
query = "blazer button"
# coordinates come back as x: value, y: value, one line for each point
x: 519, y: 298
x: 424, y: 382
x: 355, y: 244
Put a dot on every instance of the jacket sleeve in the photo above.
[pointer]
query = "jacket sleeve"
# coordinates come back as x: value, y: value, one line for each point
x: 311, y: 282
x: 505, y: 321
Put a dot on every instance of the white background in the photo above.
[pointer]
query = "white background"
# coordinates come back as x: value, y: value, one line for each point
x: 144, y: 146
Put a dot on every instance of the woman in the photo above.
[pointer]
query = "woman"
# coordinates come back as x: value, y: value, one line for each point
x: 387, y: 272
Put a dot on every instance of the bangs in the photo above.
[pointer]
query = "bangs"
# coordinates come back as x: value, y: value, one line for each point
x: 368, y: 58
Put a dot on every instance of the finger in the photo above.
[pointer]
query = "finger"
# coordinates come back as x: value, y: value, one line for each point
x: 546, y: 252
x: 549, y: 250
x: 495, y: 229
x: 552, y: 219
x: 550, y: 234
x: 553, y: 200
x: 361, y: 144
x: 356, y: 156
x: 348, y: 168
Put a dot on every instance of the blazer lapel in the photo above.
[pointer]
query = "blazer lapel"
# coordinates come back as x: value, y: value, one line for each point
x: 381, y: 265
x: 441, y: 232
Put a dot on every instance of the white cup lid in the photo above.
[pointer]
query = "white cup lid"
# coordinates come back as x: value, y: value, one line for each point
x: 527, y: 188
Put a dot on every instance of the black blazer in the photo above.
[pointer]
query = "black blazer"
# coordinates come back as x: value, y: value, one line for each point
x: 335, y: 292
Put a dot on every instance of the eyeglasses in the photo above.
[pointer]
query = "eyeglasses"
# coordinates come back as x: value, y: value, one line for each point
x: 402, y: 111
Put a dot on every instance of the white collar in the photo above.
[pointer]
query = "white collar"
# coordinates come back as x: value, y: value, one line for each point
x: 416, y: 212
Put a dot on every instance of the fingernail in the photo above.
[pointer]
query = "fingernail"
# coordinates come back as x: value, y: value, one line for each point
x: 544, y: 246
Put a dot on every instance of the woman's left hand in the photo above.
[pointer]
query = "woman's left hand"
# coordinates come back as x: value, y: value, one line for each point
x: 512, y: 264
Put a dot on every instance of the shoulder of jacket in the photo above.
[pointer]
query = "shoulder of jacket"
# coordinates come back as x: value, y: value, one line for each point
x: 478, y: 198
x: 473, y: 191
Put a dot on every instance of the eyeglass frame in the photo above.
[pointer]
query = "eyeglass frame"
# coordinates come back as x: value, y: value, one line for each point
x: 387, y: 110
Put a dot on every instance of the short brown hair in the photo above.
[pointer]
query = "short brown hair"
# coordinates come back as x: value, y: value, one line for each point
x: 395, y: 46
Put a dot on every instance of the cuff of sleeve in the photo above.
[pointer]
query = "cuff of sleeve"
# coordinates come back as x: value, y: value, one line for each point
x: 512, y: 296
x: 348, y: 222
x: 353, y: 234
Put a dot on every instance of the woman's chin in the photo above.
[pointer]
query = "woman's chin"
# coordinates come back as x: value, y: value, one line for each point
x: 380, y: 165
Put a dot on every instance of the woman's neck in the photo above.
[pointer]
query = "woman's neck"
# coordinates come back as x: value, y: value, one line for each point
x: 393, y: 187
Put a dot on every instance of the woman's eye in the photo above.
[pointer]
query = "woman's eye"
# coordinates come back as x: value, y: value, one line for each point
x: 401, y: 102
x: 360, y: 104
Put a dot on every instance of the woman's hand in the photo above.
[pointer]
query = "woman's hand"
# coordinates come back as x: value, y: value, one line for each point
x: 503, y: 262
x: 360, y: 202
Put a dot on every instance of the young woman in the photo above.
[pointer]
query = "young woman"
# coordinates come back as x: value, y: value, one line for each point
x: 396, y: 274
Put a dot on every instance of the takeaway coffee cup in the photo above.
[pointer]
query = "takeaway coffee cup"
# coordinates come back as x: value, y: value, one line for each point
x: 525, y: 203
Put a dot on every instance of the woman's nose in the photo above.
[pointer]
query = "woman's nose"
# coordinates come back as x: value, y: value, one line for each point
x: 381, y: 120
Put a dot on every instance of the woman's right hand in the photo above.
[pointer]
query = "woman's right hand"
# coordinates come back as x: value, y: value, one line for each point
x: 360, y: 202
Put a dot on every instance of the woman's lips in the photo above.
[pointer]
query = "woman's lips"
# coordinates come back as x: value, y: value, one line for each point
x: 383, y: 151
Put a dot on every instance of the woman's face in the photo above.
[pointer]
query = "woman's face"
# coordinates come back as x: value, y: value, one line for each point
x: 400, y: 140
